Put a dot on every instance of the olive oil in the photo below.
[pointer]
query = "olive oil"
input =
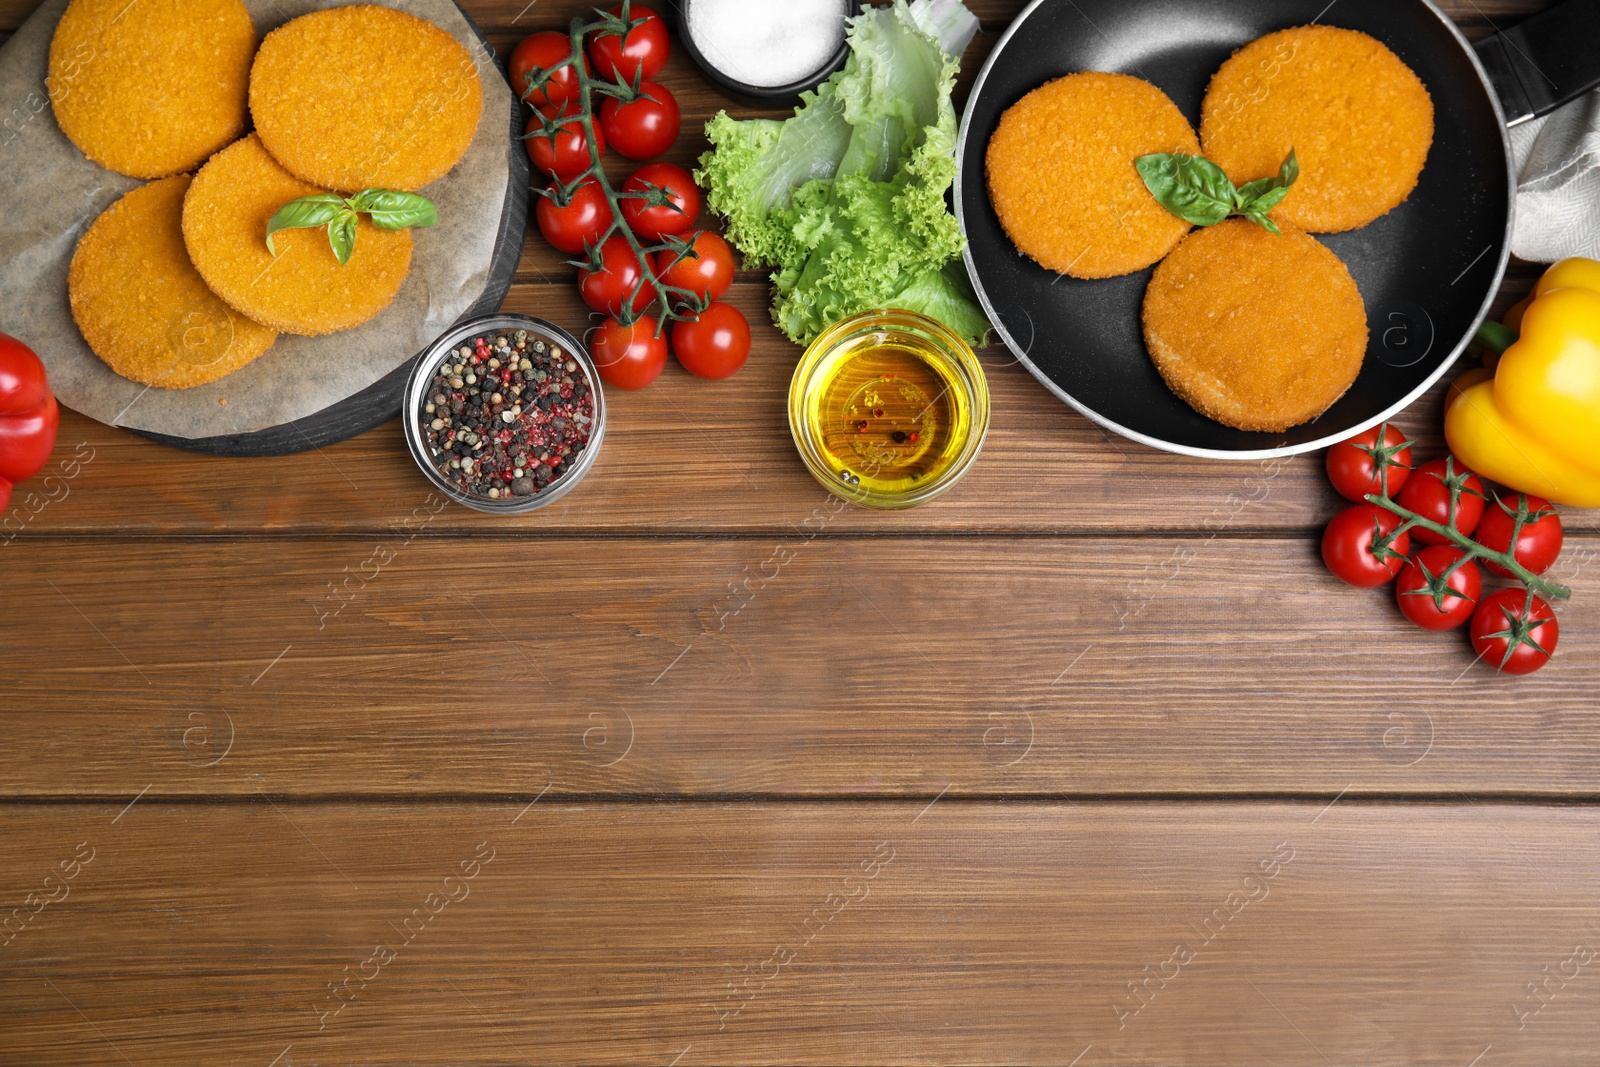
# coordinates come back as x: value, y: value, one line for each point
x: 888, y: 408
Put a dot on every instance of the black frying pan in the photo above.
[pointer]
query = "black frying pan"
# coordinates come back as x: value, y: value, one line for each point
x: 1427, y: 270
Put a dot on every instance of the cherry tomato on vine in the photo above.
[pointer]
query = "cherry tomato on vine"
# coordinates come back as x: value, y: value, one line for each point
x: 644, y: 50
x: 713, y: 344
x: 606, y: 290
x: 1434, y: 596
x: 1538, y: 542
x: 544, y: 50
x: 568, y: 156
x: 707, y: 271
x: 1427, y: 492
x: 642, y: 128
x: 1514, y: 631
x: 1348, y: 546
x: 631, y: 356
x: 579, y: 223
x: 652, y: 222
x: 1353, y: 465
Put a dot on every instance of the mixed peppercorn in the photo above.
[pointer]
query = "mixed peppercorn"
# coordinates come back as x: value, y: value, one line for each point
x: 507, y: 414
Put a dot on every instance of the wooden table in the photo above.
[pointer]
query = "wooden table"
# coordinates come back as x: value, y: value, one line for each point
x: 1088, y: 762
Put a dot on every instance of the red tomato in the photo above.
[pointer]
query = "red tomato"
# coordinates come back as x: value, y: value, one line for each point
x: 1429, y: 490
x: 706, y: 268
x: 1539, y: 535
x: 643, y: 128
x: 1432, y: 595
x: 578, y: 224
x: 608, y: 289
x: 652, y: 222
x: 544, y: 50
x: 1354, y: 465
x: 642, y: 53
x: 568, y: 155
x: 29, y: 415
x: 713, y: 344
x: 1515, y: 631
x: 1359, y: 548
x: 629, y: 357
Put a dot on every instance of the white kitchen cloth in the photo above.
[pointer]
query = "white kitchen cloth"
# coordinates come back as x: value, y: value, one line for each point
x: 1558, y: 187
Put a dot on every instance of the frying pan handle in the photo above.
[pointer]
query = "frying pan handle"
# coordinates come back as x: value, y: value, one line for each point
x: 1545, y: 61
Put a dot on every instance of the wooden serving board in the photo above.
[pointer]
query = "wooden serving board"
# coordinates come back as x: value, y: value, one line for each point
x: 380, y: 401
x: 273, y: 405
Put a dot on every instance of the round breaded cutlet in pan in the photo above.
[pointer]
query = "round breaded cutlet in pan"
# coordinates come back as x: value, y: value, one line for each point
x: 1062, y: 180
x: 362, y: 97
x: 1256, y: 331
x: 1358, y: 118
x: 152, y: 88
x: 304, y: 289
x: 141, y: 305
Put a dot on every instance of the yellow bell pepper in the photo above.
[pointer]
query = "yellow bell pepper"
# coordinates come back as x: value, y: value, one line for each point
x: 1534, y: 423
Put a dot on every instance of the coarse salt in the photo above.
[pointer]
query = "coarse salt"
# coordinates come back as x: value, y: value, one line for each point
x: 767, y: 43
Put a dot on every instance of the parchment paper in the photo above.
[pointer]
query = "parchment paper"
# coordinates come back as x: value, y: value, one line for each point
x: 52, y: 193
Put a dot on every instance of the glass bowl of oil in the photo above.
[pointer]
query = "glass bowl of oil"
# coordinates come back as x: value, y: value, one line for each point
x: 888, y: 408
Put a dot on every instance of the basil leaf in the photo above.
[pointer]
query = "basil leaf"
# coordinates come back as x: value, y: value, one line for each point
x: 1271, y: 200
x: 423, y: 215
x: 1197, y: 191
x: 342, y: 236
x: 1260, y: 219
x: 1264, y: 194
x: 391, y: 209
x: 303, y: 213
x: 1251, y: 191
x: 1289, y: 171
x: 372, y: 199
x: 1190, y: 187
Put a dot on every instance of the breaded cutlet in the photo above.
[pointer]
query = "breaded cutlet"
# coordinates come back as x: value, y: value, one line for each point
x: 152, y: 88
x: 1256, y: 331
x: 141, y: 305
x: 362, y: 96
x: 304, y: 290
x: 1358, y: 118
x: 1062, y: 178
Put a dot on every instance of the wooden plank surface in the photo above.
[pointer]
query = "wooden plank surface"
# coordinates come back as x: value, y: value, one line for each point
x: 1085, y: 702
x: 687, y: 455
x: 834, y: 666
x: 694, y: 934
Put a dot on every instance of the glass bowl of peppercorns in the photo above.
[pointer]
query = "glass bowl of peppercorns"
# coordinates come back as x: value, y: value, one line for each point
x: 504, y: 413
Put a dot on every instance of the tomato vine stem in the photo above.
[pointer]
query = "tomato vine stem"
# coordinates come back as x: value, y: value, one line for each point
x: 1473, y: 550
x: 669, y: 298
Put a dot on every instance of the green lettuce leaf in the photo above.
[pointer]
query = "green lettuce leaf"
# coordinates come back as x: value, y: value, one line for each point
x: 755, y: 166
x: 847, y: 198
x: 946, y: 296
